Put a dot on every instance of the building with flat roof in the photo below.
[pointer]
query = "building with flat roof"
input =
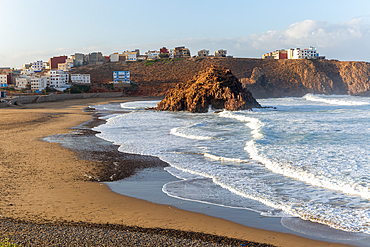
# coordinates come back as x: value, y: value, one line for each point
x: 121, y: 77
x: 80, y: 78
x: 4, y: 80
x: 203, y: 53
x: 181, y: 52
x: 221, y: 53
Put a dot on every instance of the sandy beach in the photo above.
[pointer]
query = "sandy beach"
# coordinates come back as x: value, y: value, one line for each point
x: 45, y: 183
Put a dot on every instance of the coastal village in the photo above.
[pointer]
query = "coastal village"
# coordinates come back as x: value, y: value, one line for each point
x: 54, y: 75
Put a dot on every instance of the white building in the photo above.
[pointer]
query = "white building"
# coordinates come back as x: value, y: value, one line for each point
x: 22, y: 82
x: 80, y: 78
x: 152, y: 55
x: 132, y: 56
x: 298, y: 53
x: 172, y: 53
x: 114, y: 57
x: 58, y: 78
x: 121, y: 76
x: 3, y: 81
x: 46, y: 65
x: 37, y: 66
x: 38, y: 84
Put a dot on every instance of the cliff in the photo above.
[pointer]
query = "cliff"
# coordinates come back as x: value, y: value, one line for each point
x: 216, y: 87
x: 264, y: 78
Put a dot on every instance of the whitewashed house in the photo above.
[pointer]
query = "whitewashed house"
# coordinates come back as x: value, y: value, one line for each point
x: 3, y: 81
x: 114, y: 57
x: 58, y: 78
x: 37, y: 66
x: 38, y: 84
x: 80, y: 78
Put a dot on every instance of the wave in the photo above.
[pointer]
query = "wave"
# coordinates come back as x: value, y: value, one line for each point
x: 253, y: 123
x: 301, y: 175
x: 332, y: 101
x: 180, y: 131
x: 214, y: 157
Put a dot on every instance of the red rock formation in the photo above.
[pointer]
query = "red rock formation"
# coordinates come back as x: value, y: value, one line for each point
x: 216, y: 86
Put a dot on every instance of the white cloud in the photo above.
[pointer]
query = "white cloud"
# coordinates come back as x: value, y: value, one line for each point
x: 345, y: 41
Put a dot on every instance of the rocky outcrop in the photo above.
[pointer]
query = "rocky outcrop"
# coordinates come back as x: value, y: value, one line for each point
x: 216, y: 87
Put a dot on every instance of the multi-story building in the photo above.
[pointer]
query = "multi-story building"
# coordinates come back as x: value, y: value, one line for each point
x: 80, y: 78
x: 132, y: 56
x: 22, y: 82
x: 39, y: 83
x: 58, y: 78
x: 121, y: 76
x: 203, y: 53
x: 67, y: 65
x: 114, y: 57
x: 181, y: 51
x: 54, y: 61
x: 4, y: 80
x: 172, y: 53
x: 152, y: 55
x: 221, y: 53
x: 37, y: 66
x: 78, y: 59
x: 96, y: 58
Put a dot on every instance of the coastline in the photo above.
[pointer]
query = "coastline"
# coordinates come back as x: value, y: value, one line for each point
x: 45, y: 183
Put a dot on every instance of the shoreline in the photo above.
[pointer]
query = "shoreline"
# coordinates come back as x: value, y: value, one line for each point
x: 60, y: 193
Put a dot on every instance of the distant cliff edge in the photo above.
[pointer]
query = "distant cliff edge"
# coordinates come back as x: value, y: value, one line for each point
x: 263, y: 78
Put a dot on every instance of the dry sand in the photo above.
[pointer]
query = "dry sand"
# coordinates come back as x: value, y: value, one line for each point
x: 44, y: 182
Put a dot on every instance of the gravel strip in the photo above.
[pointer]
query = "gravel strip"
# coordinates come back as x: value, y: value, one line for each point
x: 82, y: 234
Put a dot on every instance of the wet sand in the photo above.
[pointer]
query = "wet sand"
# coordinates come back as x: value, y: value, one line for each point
x: 45, y: 183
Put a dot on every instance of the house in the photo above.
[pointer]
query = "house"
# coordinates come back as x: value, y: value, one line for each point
x: 181, y: 52
x: 37, y: 66
x: 121, y: 76
x: 22, y: 82
x: 80, y: 78
x: 220, y: 53
x: 132, y: 56
x: 38, y: 83
x: 54, y: 61
x: 67, y: 65
x: 78, y: 59
x: 58, y: 78
x: 203, y: 53
x: 96, y: 58
x: 114, y: 57
x: 152, y: 55
x: 3, y: 80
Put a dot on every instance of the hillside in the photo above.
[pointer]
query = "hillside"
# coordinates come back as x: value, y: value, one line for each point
x: 264, y: 78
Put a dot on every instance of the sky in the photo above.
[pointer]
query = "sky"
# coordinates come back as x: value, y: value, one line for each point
x: 40, y: 29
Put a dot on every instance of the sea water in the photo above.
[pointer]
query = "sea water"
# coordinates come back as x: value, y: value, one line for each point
x: 307, y: 157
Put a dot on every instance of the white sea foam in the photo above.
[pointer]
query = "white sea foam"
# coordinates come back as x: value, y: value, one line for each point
x: 185, y: 133
x: 253, y: 123
x: 220, y: 158
x: 333, y: 101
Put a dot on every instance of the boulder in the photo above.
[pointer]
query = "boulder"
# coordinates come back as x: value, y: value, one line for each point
x: 216, y: 87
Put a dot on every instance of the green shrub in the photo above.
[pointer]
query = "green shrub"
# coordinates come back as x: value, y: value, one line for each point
x: 79, y: 88
x: 6, y: 243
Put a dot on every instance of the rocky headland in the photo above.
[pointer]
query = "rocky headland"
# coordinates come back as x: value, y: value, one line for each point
x: 263, y: 78
x: 216, y: 87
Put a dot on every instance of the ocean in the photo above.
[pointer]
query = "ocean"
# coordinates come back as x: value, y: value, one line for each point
x: 306, y: 157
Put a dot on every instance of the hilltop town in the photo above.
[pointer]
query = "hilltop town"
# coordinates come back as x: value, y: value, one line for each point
x: 62, y: 72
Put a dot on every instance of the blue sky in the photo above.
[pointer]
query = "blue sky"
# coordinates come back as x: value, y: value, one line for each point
x: 39, y: 29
